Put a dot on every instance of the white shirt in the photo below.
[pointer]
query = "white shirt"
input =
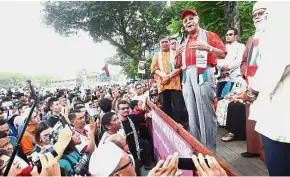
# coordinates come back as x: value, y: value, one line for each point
x: 271, y: 109
x: 104, y: 137
x: 233, y: 59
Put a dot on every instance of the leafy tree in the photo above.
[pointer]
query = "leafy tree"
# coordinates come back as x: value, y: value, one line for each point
x: 133, y: 27
x: 247, y: 26
x: 8, y: 80
x: 216, y: 16
x: 79, y: 78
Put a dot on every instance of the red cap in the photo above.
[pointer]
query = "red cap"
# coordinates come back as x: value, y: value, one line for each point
x: 187, y: 12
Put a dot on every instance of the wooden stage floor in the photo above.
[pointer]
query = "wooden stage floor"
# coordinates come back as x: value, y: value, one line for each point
x: 230, y: 153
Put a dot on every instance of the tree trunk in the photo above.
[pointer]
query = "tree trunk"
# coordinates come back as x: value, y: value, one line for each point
x: 233, y: 15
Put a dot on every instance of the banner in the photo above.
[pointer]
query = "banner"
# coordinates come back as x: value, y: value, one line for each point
x: 167, y: 141
x: 142, y: 67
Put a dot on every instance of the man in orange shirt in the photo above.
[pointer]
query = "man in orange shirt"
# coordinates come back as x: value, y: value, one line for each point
x: 197, y: 58
x: 168, y: 79
x: 28, y: 140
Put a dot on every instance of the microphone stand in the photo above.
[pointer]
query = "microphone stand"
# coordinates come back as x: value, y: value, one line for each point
x: 183, y: 35
x: 34, y: 97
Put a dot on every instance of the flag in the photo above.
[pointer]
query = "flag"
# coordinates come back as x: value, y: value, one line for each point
x: 106, y: 69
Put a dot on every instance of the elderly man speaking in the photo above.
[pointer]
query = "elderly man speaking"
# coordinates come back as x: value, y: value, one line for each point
x: 197, y: 58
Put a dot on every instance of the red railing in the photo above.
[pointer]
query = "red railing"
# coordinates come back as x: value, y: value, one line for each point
x: 196, y: 145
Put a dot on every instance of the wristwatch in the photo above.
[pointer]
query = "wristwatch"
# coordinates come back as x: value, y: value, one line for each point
x: 210, y: 49
x: 252, y: 97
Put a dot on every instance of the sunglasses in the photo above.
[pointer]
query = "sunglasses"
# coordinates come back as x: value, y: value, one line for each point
x: 230, y: 34
x: 124, y: 108
x: 123, y: 167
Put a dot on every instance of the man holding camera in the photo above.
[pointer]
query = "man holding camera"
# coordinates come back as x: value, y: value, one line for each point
x: 77, y: 118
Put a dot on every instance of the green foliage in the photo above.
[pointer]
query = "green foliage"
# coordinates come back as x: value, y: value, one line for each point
x: 247, y: 26
x: 79, y: 78
x: 213, y: 17
x: 133, y: 27
x: 8, y: 80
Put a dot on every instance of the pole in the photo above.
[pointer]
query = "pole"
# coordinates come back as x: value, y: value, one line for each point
x: 33, y: 95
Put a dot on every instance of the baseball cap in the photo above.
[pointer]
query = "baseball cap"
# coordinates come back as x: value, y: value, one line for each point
x: 187, y: 12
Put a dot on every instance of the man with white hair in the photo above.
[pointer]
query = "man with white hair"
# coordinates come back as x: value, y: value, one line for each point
x: 270, y: 90
x: 251, y: 60
x: 197, y: 57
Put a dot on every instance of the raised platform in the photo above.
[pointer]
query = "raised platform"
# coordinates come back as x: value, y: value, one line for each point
x: 227, y: 154
x: 230, y: 153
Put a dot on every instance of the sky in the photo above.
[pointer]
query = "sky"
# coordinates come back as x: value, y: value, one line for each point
x: 27, y: 46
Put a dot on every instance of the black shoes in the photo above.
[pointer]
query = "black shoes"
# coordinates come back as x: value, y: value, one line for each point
x: 249, y: 155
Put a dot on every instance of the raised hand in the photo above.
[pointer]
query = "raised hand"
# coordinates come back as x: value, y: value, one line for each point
x: 199, y: 45
x: 212, y: 169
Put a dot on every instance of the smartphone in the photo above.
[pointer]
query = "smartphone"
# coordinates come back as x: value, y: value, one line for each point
x: 187, y: 164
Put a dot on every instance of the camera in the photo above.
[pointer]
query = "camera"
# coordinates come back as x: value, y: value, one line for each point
x: 53, y: 135
x: 82, y: 167
x: 34, y: 158
x: 93, y: 113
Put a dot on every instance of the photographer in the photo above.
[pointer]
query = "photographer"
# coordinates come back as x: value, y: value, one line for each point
x: 42, y: 131
x: 50, y: 167
x: 6, y: 152
x: 72, y: 161
x: 87, y: 145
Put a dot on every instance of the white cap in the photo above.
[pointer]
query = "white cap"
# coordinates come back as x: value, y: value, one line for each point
x: 260, y: 5
x: 105, y: 159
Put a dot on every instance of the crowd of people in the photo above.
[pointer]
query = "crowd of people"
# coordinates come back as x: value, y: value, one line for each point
x: 200, y: 83
x: 105, y: 132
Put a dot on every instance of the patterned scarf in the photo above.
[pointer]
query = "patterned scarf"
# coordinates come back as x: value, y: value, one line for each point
x: 201, y: 58
x: 172, y: 60
x: 254, y: 57
x: 122, y: 133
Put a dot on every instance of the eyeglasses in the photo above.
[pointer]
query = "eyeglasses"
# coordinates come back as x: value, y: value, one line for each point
x: 44, y: 136
x: 124, y: 108
x: 259, y: 13
x: 123, y: 167
x: 230, y: 34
